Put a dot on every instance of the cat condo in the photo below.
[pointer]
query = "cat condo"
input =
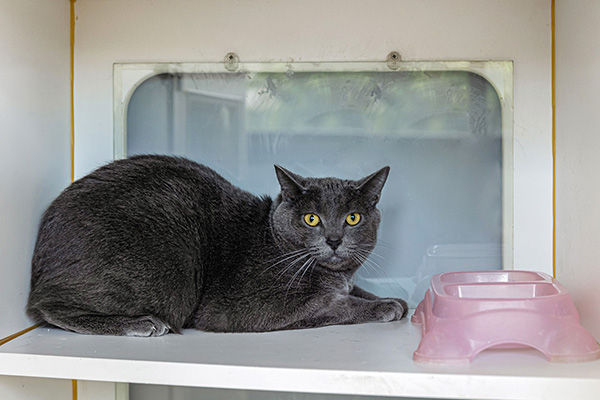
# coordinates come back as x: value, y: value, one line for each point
x: 446, y: 131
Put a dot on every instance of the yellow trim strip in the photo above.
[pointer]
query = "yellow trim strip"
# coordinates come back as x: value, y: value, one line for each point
x: 72, y: 40
x: 16, y: 335
x: 553, y: 29
x: 72, y: 44
x: 74, y: 388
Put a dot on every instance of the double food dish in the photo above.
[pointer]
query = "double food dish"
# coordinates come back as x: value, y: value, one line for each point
x: 464, y: 313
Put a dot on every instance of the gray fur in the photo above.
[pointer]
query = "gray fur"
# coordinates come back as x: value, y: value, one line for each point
x: 153, y: 244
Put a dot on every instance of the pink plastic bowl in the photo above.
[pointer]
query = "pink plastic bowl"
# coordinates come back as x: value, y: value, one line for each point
x: 464, y: 313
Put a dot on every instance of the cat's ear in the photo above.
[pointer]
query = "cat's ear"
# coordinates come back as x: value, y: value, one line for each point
x: 291, y: 186
x: 372, y: 185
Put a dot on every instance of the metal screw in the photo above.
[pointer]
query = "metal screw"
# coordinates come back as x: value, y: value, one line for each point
x: 393, y: 60
x: 232, y: 62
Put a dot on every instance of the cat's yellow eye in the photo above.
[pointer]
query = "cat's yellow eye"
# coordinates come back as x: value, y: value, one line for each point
x: 311, y: 219
x: 353, y: 219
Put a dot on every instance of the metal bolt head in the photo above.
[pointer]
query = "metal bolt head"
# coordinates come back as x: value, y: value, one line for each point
x: 393, y: 60
x: 232, y: 62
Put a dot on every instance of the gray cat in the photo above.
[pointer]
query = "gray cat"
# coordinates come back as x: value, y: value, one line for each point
x: 153, y: 244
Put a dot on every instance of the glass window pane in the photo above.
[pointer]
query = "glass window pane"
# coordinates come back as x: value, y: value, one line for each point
x: 441, y: 133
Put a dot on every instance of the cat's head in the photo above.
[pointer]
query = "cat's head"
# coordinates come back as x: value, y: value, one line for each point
x: 328, y: 220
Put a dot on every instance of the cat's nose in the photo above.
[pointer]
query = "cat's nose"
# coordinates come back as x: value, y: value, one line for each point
x: 333, y: 242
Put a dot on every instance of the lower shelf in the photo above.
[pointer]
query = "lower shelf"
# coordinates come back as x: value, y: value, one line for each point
x: 370, y: 359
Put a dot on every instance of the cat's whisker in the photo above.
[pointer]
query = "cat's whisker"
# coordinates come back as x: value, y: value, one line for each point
x: 353, y: 257
x: 376, y: 268
x: 385, y: 244
x: 368, y: 268
x: 372, y: 253
x: 369, y: 264
x: 358, y: 261
x: 374, y: 263
x: 369, y: 257
x: 289, y: 252
x: 369, y: 250
x: 296, y: 274
x: 291, y: 265
x: 312, y: 269
x: 369, y: 253
x: 287, y: 255
x: 306, y: 269
x: 362, y: 254
x: 296, y: 258
x: 361, y: 259
x: 306, y: 263
x: 285, y: 259
x: 379, y: 245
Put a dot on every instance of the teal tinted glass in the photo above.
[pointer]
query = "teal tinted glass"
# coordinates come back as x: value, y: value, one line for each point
x: 440, y: 132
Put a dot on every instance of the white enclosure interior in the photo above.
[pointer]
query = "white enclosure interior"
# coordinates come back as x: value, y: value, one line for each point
x: 577, y: 161
x: 34, y: 160
x: 34, y: 137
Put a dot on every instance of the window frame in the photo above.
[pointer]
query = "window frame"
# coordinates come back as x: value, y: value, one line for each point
x: 127, y: 77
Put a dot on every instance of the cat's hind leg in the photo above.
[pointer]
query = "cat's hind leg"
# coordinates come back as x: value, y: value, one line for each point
x: 119, y: 325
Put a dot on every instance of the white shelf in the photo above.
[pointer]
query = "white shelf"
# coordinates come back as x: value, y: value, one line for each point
x: 371, y: 359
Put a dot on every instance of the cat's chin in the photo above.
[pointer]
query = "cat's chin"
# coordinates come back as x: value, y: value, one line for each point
x: 336, y: 263
x: 335, y: 259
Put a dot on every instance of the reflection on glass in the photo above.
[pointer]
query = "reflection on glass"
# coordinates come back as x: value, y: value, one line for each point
x: 440, y: 132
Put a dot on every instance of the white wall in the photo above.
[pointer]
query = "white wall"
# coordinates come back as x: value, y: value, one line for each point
x: 23, y: 388
x: 578, y: 155
x: 34, y: 137
x: 26, y: 388
x: 112, y: 31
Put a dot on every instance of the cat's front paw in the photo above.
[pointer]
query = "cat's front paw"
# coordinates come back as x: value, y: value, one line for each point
x: 386, y: 310
x: 402, y: 302
x: 147, y: 326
